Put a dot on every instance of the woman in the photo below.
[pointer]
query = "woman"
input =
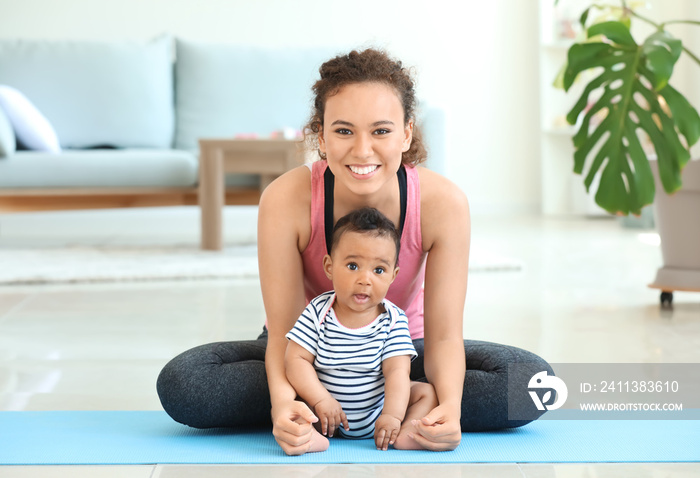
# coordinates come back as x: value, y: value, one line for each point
x: 363, y: 125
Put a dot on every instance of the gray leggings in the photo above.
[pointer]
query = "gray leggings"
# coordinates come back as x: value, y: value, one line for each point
x: 224, y: 384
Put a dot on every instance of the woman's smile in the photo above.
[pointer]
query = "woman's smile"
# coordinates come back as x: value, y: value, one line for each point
x: 363, y: 172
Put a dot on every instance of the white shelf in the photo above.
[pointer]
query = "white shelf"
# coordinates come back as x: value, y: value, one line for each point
x: 562, y: 45
x: 563, y: 192
x: 567, y: 132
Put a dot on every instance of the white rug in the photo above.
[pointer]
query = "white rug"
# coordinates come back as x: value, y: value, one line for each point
x: 84, y: 264
x: 124, y: 263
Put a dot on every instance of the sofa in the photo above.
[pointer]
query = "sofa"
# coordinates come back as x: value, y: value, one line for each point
x: 79, y: 116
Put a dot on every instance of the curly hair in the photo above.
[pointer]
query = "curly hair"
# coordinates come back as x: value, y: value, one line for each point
x: 373, y: 66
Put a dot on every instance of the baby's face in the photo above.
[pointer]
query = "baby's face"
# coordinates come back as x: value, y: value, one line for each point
x: 362, y: 267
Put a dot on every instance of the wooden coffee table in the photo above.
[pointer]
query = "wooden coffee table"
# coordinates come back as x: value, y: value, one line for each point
x: 267, y: 157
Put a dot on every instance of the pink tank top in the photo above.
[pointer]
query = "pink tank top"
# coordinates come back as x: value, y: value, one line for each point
x: 407, y: 289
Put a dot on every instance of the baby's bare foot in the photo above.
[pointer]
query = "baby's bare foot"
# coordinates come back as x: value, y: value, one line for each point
x: 405, y: 442
x: 318, y: 442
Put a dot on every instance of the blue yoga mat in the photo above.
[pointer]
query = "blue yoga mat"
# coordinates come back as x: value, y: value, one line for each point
x: 106, y: 437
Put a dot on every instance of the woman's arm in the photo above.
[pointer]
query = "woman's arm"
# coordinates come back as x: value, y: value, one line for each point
x: 445, y: 224
x: 281, y: 226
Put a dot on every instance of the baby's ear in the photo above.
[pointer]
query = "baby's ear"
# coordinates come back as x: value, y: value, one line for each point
x: 327, y: 263
x: 396, y: 272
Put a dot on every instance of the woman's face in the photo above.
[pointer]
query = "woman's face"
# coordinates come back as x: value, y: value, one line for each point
x: 364, y: 135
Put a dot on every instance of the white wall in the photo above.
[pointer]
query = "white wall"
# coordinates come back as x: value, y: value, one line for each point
x: 686, y: 76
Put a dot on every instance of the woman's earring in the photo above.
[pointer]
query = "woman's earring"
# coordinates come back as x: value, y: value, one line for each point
x: 322, y: 154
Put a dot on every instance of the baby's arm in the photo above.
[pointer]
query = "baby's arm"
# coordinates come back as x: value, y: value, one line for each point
x: 298, y: 363
x: 397, y: 391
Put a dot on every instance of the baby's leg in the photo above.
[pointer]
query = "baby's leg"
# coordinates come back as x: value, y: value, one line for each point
x: 423, y: 400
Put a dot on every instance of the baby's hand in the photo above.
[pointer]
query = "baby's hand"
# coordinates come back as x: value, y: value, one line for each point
x: 386, y: 429
x: 330, y: 415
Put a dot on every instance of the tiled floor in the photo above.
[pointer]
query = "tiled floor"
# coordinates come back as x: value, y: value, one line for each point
x: 581, y: 297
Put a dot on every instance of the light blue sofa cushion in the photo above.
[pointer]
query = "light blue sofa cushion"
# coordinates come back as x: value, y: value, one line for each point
x: 223, y: 90
x: 96, y: 92
x: 99, y: 168
x: 8, y: 143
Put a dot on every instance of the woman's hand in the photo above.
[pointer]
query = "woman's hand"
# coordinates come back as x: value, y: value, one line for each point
x: 439, y: 430
x: 292, y: 427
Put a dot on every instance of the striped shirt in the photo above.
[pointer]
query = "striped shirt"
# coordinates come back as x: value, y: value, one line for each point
x: 348, y: 362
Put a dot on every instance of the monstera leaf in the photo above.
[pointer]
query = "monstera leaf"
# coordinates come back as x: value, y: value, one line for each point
x: 631, y: 93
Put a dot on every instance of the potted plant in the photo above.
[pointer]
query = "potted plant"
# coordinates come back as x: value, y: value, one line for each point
x: 627, y: 101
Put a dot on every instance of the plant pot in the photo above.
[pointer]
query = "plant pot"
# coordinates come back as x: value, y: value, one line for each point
x: 643, y: 221
x: 678, y: 222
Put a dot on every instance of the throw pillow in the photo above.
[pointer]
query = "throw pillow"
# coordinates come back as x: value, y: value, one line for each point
x: 32, y: 129
x: 8, y: 145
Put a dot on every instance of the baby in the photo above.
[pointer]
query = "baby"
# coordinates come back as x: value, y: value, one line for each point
x: 350, y: 351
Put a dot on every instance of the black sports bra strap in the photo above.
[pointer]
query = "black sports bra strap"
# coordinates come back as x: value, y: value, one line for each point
x: 328, y: 188
x: 403, y: 191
